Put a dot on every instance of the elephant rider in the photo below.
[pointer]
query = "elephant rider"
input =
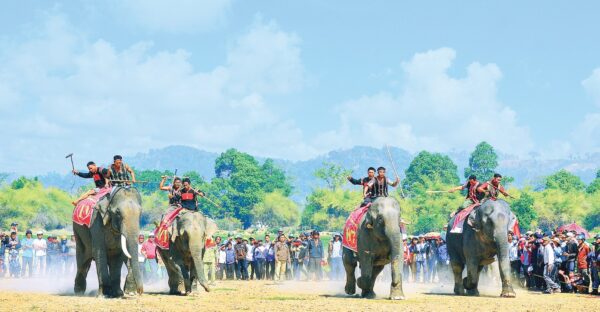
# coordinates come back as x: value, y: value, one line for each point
x: 492, y: 188
x: 364, y: 181
x: 120, y: 173
x: 100, y: 176
x: 174, y: 191
x: 377, y: 187
x: 188, y: 196
x: 473, y: 195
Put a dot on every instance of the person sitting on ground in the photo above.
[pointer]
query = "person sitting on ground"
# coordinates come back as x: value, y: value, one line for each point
x: 100, y: 176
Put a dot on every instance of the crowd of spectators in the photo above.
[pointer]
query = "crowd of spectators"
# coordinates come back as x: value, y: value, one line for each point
x: 547, y: 262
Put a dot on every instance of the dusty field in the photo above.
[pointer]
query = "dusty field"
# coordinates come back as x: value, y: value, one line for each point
x: 289, y: 296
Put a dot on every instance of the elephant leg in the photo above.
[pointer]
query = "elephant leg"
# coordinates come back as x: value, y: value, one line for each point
x: 396, y: 292
x: 130, y: 286
x: 197, y: 249
x: 457, y: 270
x: 114, y: 266
x: 99, y: 253
x: 176, y: 285
x: 350, y: 263
x: 366, y: 275
x: 472, y: 280
x: 83, y: 257
x: 375, y: 272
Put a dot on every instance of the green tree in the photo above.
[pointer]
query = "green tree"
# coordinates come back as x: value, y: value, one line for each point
x: 595, y: 185
x: 332, y: 174
x: 276, y: 210
x: 430, y: 167
x: 483, y: 162
x: 565, y: 181
x: 524, y: 210
x: 275, y: 179
x: 152, y: 177
x: 328, y: 209
x: 591, y: 219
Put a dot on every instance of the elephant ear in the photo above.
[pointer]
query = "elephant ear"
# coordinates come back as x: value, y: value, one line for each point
x: 211, y: 227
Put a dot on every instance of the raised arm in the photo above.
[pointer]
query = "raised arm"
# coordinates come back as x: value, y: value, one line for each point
x: 454, y: 189
x: 162, y: 186
x: 85, y: 175
x: 354, y: 181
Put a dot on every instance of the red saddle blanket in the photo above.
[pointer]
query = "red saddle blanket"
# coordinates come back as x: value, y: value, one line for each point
x: 161, y: 233
x: 460, y: 217
x: 350, y: 237
x: 82, y: 214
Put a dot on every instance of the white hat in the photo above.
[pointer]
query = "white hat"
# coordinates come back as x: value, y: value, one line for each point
x: 570, y: 234
x: 40, y: 233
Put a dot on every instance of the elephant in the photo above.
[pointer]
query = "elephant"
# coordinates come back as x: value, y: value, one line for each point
x: 111, y: 241
x: 184, y: 258
x: 378, y: 244
x: 477, y: 246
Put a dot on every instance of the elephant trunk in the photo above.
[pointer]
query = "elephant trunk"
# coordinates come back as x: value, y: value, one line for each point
x: 394, y: 235
x: 132, y: 250
x: 501, y: 241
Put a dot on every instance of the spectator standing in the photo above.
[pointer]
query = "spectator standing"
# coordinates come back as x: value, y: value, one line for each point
x: 413, y: 258
x: 40, y: 247
x: 303, y: 258
x: 431, y: 260
x: 548, y: 256
x: 53, y: 259
x: 513, y: 256
x: 13, y: 247
x: 141, y: 257
x: 443, y: 261
x: 582, y: 263
x: 222, y: 262
x: 282, y: 257
x: 241, y: 250
x: 335, y: 254
x: 596, y: 266
x: 64, y: 250
x: 71, y: 254
x: 269, y: 259
x: 210, y: 260
x: 259, y: 259
x: 421, y: 251
x: 315, y: 253
x: 571, y: 253
x: 250, y: 264
x: 149, y: 252
x: 407, y: 259
x: 3, y: 242
x: 27, y: 256
x: 229, y: 261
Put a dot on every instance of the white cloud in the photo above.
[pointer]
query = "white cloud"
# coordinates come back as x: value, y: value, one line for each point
x: 592, y: 85
x: 93, y: 99
x: 179, y: 16
x: 433, y: 111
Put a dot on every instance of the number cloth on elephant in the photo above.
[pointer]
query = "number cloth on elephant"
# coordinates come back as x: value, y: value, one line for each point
x: 161, y: 233
x: 459, y: 218
x: 82, y: 213
x: 350, y: 237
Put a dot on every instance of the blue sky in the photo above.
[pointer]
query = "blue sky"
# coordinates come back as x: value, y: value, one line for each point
x: 295, y: 79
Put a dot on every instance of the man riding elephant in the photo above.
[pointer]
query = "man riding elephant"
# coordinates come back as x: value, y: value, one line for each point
x: 110, y: 241
x: 374, y: 246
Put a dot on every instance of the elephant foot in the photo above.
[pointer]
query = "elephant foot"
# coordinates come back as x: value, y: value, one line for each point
x: 350, y: 288
x: 473, y: 292
x: 459, y: 290
x: 205, y: 286
x: 118, y: 294
x: 363, y: 283
x: 397, y: 294
x: 369, y: 294
x: 508, y: 292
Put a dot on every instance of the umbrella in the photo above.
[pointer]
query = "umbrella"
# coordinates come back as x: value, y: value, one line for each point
x: 573, y: 227
x: 432, y: 235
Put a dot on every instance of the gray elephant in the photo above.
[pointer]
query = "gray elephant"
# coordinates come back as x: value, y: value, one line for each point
x: 111, y: 240
x: 477, y: 248
x: 378, y: 244
x: 184, y: 258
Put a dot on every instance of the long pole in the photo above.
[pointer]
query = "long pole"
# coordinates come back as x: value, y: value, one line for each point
x: 394, y: 168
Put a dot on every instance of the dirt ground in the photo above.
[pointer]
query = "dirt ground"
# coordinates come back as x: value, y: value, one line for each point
x: 44, y: 295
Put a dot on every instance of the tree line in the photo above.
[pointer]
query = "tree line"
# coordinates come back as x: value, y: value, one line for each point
x: 246, y: 192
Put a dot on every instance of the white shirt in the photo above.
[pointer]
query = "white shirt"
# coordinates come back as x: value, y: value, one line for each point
x: 336, y: 250
x: 250, y: 253
x: 513, y: 254
x: 548, y: 254
x: 39, y: 245
x: 141, y: 257
x: 222, y: 256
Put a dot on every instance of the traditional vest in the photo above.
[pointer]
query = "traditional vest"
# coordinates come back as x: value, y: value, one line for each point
x: 188, y: 199
x: 475, y: 196
x: 99, y: 178
x: 121, y: 174
x: 175, y: 199
x: 380, y: 188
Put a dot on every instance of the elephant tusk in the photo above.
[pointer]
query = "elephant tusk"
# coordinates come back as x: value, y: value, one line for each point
x: 124, y: 246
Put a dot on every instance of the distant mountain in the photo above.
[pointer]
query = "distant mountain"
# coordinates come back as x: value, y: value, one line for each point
x: 358, y: 159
